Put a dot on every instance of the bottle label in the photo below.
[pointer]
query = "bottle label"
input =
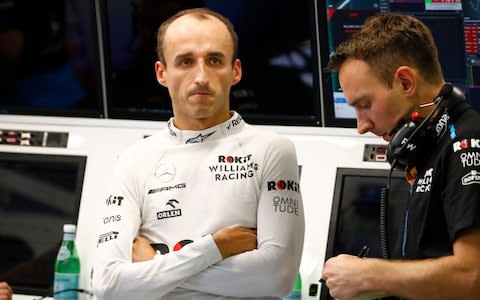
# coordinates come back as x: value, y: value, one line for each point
x: 68, y: 236
x: 62, y: 283
x: 63, y: 253
x: 294, y: 295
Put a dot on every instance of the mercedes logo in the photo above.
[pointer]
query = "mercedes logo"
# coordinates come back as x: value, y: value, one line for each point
x: 165, y: 172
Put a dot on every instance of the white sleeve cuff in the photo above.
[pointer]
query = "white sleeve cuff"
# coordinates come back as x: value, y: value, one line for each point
x: 210, y: 250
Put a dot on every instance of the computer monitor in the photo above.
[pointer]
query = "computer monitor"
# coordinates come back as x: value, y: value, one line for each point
x: 355, y: 213
x: 445, y: 19
x: 49, y: 58
x: 277, y: 48
x: 38, y: 194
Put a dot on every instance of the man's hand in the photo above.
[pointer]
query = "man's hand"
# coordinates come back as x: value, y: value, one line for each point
x: 5, y: 291
x: 234, y: 240
x: 343, y: 275
x: 141, y: 250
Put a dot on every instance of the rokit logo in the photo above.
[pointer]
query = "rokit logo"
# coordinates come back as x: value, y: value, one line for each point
x: 168, y: 188
x: 466, y: 144
x: 282, y: 185
x: 231, y: 167
x: 471, y: 177
x: 425, y: 184
x: 470, y: 159
x: 171, y: 213
x: 285, y: 205
x: 106, y: 237
x: 114, y: 200
x: 164, y: 249
x: 234, y: 159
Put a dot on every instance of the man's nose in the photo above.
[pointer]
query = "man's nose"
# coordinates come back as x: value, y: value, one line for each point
x: 201, y: 74
x: 364, y: 125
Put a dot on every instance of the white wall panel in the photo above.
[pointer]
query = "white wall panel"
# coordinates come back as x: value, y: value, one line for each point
x: 320, y: 151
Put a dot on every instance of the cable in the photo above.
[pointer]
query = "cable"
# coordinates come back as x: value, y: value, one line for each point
x: 50, y: 294
x: 437, y: 101
x: 384, y: 198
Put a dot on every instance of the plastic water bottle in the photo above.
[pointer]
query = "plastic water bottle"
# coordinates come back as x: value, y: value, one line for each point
x: 67, y: 267
x: 296, y: 292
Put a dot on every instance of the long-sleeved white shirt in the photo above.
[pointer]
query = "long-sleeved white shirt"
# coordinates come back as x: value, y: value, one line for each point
x: 177, y: 188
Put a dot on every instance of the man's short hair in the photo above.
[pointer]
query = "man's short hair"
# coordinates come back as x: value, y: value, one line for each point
x: 199, y: 13
x: 388, y: 41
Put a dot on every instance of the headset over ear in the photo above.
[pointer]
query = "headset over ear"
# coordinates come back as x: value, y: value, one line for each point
x: 412, y: 139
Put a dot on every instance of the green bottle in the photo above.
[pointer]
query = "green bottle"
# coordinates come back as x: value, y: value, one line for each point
x: 67, y: 267
x: 296, y: 292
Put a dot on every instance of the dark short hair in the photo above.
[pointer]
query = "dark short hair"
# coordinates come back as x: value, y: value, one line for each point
x: 388, y: 41
x: 202, y: 14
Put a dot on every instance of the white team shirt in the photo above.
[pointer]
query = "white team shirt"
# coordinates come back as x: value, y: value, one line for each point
x: 177, y: 188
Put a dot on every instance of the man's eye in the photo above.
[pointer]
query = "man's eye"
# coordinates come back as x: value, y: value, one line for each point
x: 363, y: 105
x: 215, y: 61
x: 185, y: 61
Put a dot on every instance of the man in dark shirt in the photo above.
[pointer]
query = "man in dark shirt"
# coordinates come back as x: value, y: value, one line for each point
x: 390, y: 73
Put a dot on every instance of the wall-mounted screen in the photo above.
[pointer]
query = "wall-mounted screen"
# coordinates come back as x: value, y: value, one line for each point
x: 49, y: 58
x: 355, y: 214
x: 38, y: 194
x: 451, y: 22
x: 277, y: 49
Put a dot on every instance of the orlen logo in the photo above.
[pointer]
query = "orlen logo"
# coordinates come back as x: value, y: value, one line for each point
x: 466, y: 144
x: 172, y: 213
x: 281, y: 185
x: 164, y: 249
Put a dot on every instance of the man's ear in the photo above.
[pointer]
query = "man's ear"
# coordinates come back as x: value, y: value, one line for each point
x: 237, y: 72
x: 160, y: 71
x: 407, y: 77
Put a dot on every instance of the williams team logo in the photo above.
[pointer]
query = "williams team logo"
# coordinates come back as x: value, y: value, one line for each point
x: 231, y: 167
x: 425, y: 184
x: 165, y: 172
x: 171, y: 213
